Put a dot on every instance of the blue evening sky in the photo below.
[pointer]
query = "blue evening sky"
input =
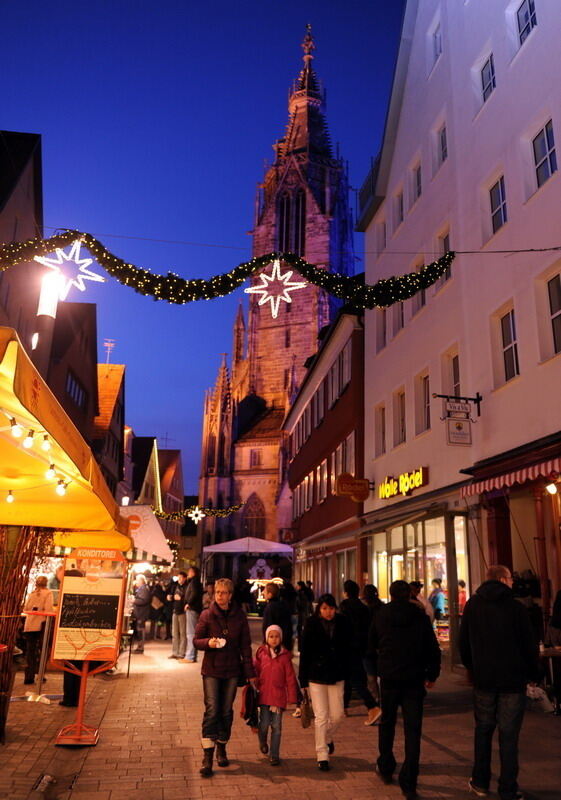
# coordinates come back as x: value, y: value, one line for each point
x: 156, y: 120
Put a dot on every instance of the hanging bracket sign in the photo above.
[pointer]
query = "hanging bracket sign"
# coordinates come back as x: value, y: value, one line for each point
x: 358, y: 489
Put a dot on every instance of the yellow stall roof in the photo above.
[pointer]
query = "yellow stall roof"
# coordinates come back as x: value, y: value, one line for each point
x: 87, y: 509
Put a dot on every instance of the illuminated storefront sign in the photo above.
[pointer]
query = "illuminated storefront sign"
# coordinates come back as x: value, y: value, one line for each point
x: 404, y: 484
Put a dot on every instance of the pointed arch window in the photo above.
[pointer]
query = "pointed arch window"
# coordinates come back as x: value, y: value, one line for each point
x: 211, y: 453
x: 254, y: 517
x: 300, y: 223
x: 284, y: 223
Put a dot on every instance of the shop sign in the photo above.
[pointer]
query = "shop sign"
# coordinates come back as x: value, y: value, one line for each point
x: 403, y: 484
x: 90, y: 610
x: 458, y: 431
x: 457, y: 410
x: 358, y: 489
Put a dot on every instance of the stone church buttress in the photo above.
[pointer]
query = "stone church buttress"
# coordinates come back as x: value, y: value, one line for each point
x: 302, y: 207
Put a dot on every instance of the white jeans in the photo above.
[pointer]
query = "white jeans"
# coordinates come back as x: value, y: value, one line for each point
x: 327, y: 702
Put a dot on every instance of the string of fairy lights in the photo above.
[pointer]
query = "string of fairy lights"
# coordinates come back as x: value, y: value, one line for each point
x: 196, y: 513
x: 174, y: 289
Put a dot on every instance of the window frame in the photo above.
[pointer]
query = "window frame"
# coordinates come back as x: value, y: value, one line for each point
x: 555, y: 314
x: 488, y: 84
x: 499, y: 215
x: 530, y: 22
x: 550, y: 157
x: 509, y: 348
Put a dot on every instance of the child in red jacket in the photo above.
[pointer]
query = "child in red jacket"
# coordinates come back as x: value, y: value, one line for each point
x: 277, y: 686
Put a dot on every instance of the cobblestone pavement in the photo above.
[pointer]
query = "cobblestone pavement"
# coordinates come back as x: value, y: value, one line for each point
x: 149, y: 746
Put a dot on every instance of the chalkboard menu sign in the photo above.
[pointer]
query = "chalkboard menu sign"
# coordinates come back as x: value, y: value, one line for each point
x: 90, y: 606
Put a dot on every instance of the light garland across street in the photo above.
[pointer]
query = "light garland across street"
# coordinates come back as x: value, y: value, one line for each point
x: 174, y: 289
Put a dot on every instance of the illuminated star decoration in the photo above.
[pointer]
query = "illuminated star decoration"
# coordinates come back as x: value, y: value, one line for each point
x: 283, y: 287
x: 196, y: 515
x: 77, y: 280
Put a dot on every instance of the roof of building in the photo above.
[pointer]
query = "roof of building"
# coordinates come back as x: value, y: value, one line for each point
x: 265, y: 426
x: 142, y: 447
x: 16, y: 150
x: 169, y: 462
x: 109, y: 380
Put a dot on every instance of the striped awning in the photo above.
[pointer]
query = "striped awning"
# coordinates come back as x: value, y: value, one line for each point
x: 541, y: 470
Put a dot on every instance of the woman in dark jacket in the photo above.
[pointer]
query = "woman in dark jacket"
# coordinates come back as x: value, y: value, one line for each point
x: 324, y: 665
x: 222, y: 632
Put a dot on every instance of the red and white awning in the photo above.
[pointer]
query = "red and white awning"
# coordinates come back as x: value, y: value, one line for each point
x: 542, y: 470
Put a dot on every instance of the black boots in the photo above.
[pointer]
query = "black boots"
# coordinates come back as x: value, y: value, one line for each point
x: 206, y: 769
x: 221, y: 755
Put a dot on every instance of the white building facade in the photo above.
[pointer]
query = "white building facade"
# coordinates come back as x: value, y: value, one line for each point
x: 468, y: 164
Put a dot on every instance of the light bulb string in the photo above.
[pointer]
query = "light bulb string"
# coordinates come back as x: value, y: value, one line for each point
x: 175, y: 289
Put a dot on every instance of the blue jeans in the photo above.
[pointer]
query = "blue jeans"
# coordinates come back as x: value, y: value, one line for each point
x: 505, y: 710
x: 272, y: 719
x: 219, y: 694
x: 191, y: 619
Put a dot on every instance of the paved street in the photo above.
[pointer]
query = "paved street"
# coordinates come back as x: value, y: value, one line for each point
x: 149, y: 746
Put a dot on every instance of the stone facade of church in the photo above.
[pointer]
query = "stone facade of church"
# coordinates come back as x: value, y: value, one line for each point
x: 301, y: 207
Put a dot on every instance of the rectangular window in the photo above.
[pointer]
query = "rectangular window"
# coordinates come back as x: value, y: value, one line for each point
x: 332, y: 471
x: 317, y: 472
x: 436, y: 43
x: 510, y: 347
x: 400, y: 432
x: 287, y: 337
x: 545, y: 159
x: 420, y: 298
x: 339, y: 460
x: 444, y: 247
x: 442, y: 145
x: 497, y: 196
x: 323, y: 481
x: 349, y: 454
x: 309, y: 490
x: 382, y: 236
x: 398, y: 318
x: 488, y: 77
x: 321, y: 401
x: 425, y: 401
x: 526, y: 16
x: 455, y: 375
x: 345, y: 369
x: 75, y: 390
x: 255, y: 458
x: 417, y: 183
x: 399, y: 209
x: 380, y: 431
x: 554, y: 292
x: 381, y: 329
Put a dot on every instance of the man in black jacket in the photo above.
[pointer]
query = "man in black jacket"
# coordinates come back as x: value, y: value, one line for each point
x: 277, y: 613
x: 407, y: 656
x: 500, y: 652
x: 359, y: 617
x: 193, y: 597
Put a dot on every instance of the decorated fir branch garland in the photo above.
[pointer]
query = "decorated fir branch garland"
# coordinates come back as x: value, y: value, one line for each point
x: 177, y: 516
x: 174, y: 289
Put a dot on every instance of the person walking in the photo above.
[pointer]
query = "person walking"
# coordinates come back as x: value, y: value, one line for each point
x: 437, y: 599
x: 359, y: 618
x: 324, y: 664
x: 404, y: 647
x: 141, y: 610
x: 277, y: 612
x: 40, y: 599
x: 371, y: 599
x: 193, y: 608
x: 276, y: 686
x: 222, y: 632
x: 500, y: 652
x: 421, y: 600
x: 304, y: 608
x: 178, y: 620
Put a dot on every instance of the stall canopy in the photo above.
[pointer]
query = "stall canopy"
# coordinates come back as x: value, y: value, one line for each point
x: 75, y: 498
x: 249, y: 544
x: 149, y: 540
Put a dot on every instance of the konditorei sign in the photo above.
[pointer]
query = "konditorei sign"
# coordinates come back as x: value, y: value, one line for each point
x: 404, y: 483
x: 88, y: 625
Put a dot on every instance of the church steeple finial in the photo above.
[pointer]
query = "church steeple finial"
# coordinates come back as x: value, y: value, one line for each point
x: 308, y: 45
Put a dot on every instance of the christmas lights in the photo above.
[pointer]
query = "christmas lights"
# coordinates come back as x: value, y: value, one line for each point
x: 268, y: 296
x: 77, y: 280
x: 174, y: 289
x: 196, y: 515
x: 177, y: 516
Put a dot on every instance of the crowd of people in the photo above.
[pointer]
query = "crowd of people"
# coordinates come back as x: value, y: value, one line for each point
x: 387, y: 652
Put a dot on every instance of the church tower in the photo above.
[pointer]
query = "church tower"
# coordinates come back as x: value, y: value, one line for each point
x: 301, y: 207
